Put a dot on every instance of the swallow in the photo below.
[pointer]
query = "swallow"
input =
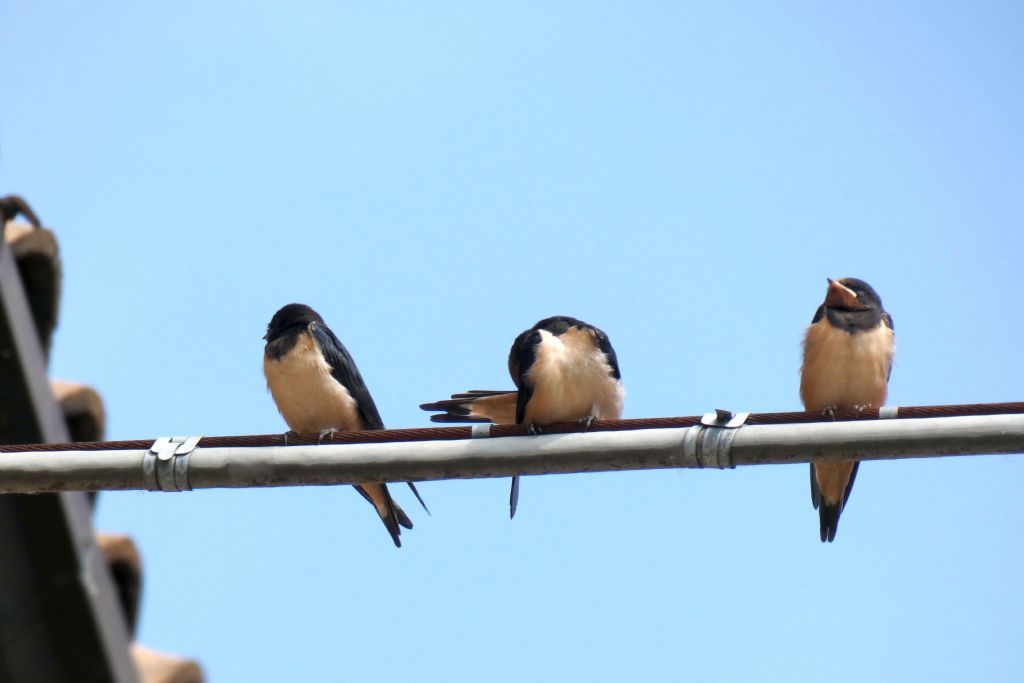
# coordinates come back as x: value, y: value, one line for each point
x: 564, y: 371
x: 848, y: 353
x: 318, y: 389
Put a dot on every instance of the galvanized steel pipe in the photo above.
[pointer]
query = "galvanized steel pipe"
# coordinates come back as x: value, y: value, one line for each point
x: 692, y: 447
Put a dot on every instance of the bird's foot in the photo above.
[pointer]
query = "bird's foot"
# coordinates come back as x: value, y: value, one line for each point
x: 830, y: 413
x: 533, y: 429
x: 586, y: 422
x: 326, y: 433
x: 861, y: 409
x: 290, y: 433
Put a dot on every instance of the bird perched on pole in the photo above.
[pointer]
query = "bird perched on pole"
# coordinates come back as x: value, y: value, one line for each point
x: 318, y: 389
x: 848, y: 353
x: 564, y: 370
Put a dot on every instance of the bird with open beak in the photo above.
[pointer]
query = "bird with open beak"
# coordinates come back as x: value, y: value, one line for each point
x: 564, y: 371
x: 848, y: 354
x: 318, y: 389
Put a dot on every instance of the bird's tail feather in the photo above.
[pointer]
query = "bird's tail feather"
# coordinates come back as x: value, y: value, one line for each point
x: 828, y: 514
x: 829, y: 510
x: 477, y: 405
x: 387, y: 509
x: 400, y: 515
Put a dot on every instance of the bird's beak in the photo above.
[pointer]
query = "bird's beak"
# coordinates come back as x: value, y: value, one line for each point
x: 841, y: 296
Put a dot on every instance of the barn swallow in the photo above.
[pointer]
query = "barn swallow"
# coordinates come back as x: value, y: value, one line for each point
x: 848, y: 353
x: 564, y: 370
x: 317, y: 388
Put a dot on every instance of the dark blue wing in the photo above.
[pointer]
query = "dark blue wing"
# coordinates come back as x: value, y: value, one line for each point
x: 520, y: 359
x: 605, y: 345
x: 887, y: 319
x: 344, y: 369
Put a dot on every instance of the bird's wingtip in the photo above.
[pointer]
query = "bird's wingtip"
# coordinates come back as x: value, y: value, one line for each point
x: 419, y: 497
x: 513, y: 498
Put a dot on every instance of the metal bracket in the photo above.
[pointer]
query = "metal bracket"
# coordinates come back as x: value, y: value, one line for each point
x: 888, y: 412
x: 724, y: 418
x: 708, y: 444
x: 480, y: 430
x: 165, y: 466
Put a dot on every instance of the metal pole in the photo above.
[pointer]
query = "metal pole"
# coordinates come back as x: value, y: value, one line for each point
x: 693, y: 447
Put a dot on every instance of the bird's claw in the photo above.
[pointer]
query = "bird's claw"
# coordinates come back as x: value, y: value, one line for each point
x: 326, y: 433
x: 290, y: 433
x: 586, y: 422
x: 533, y: 429
x: 830, y: 413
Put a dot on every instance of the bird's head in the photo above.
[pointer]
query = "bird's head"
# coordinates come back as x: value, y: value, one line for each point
x: 851, y: 294
x: 290, y: 317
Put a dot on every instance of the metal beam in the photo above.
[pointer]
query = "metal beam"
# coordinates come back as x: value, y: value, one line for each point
x: 693, y: 447
x: 29, y: 412
x: 59, y: 619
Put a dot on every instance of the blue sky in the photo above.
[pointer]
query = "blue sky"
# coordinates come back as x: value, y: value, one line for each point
x: 436, y: 178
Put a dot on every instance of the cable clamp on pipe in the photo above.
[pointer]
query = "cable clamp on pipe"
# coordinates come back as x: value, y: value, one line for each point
x: 709, y: 444
x: 480, y: 430
x: 165, y: 466
x: 726, y: 419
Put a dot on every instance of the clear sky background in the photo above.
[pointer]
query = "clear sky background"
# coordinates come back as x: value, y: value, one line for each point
x: 434, y: 178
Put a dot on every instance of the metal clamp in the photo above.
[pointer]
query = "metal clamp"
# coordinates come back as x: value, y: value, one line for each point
x: 165, y: 466
x: 480, y: 430
x: 888, y: 412
x: 709, y: 443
